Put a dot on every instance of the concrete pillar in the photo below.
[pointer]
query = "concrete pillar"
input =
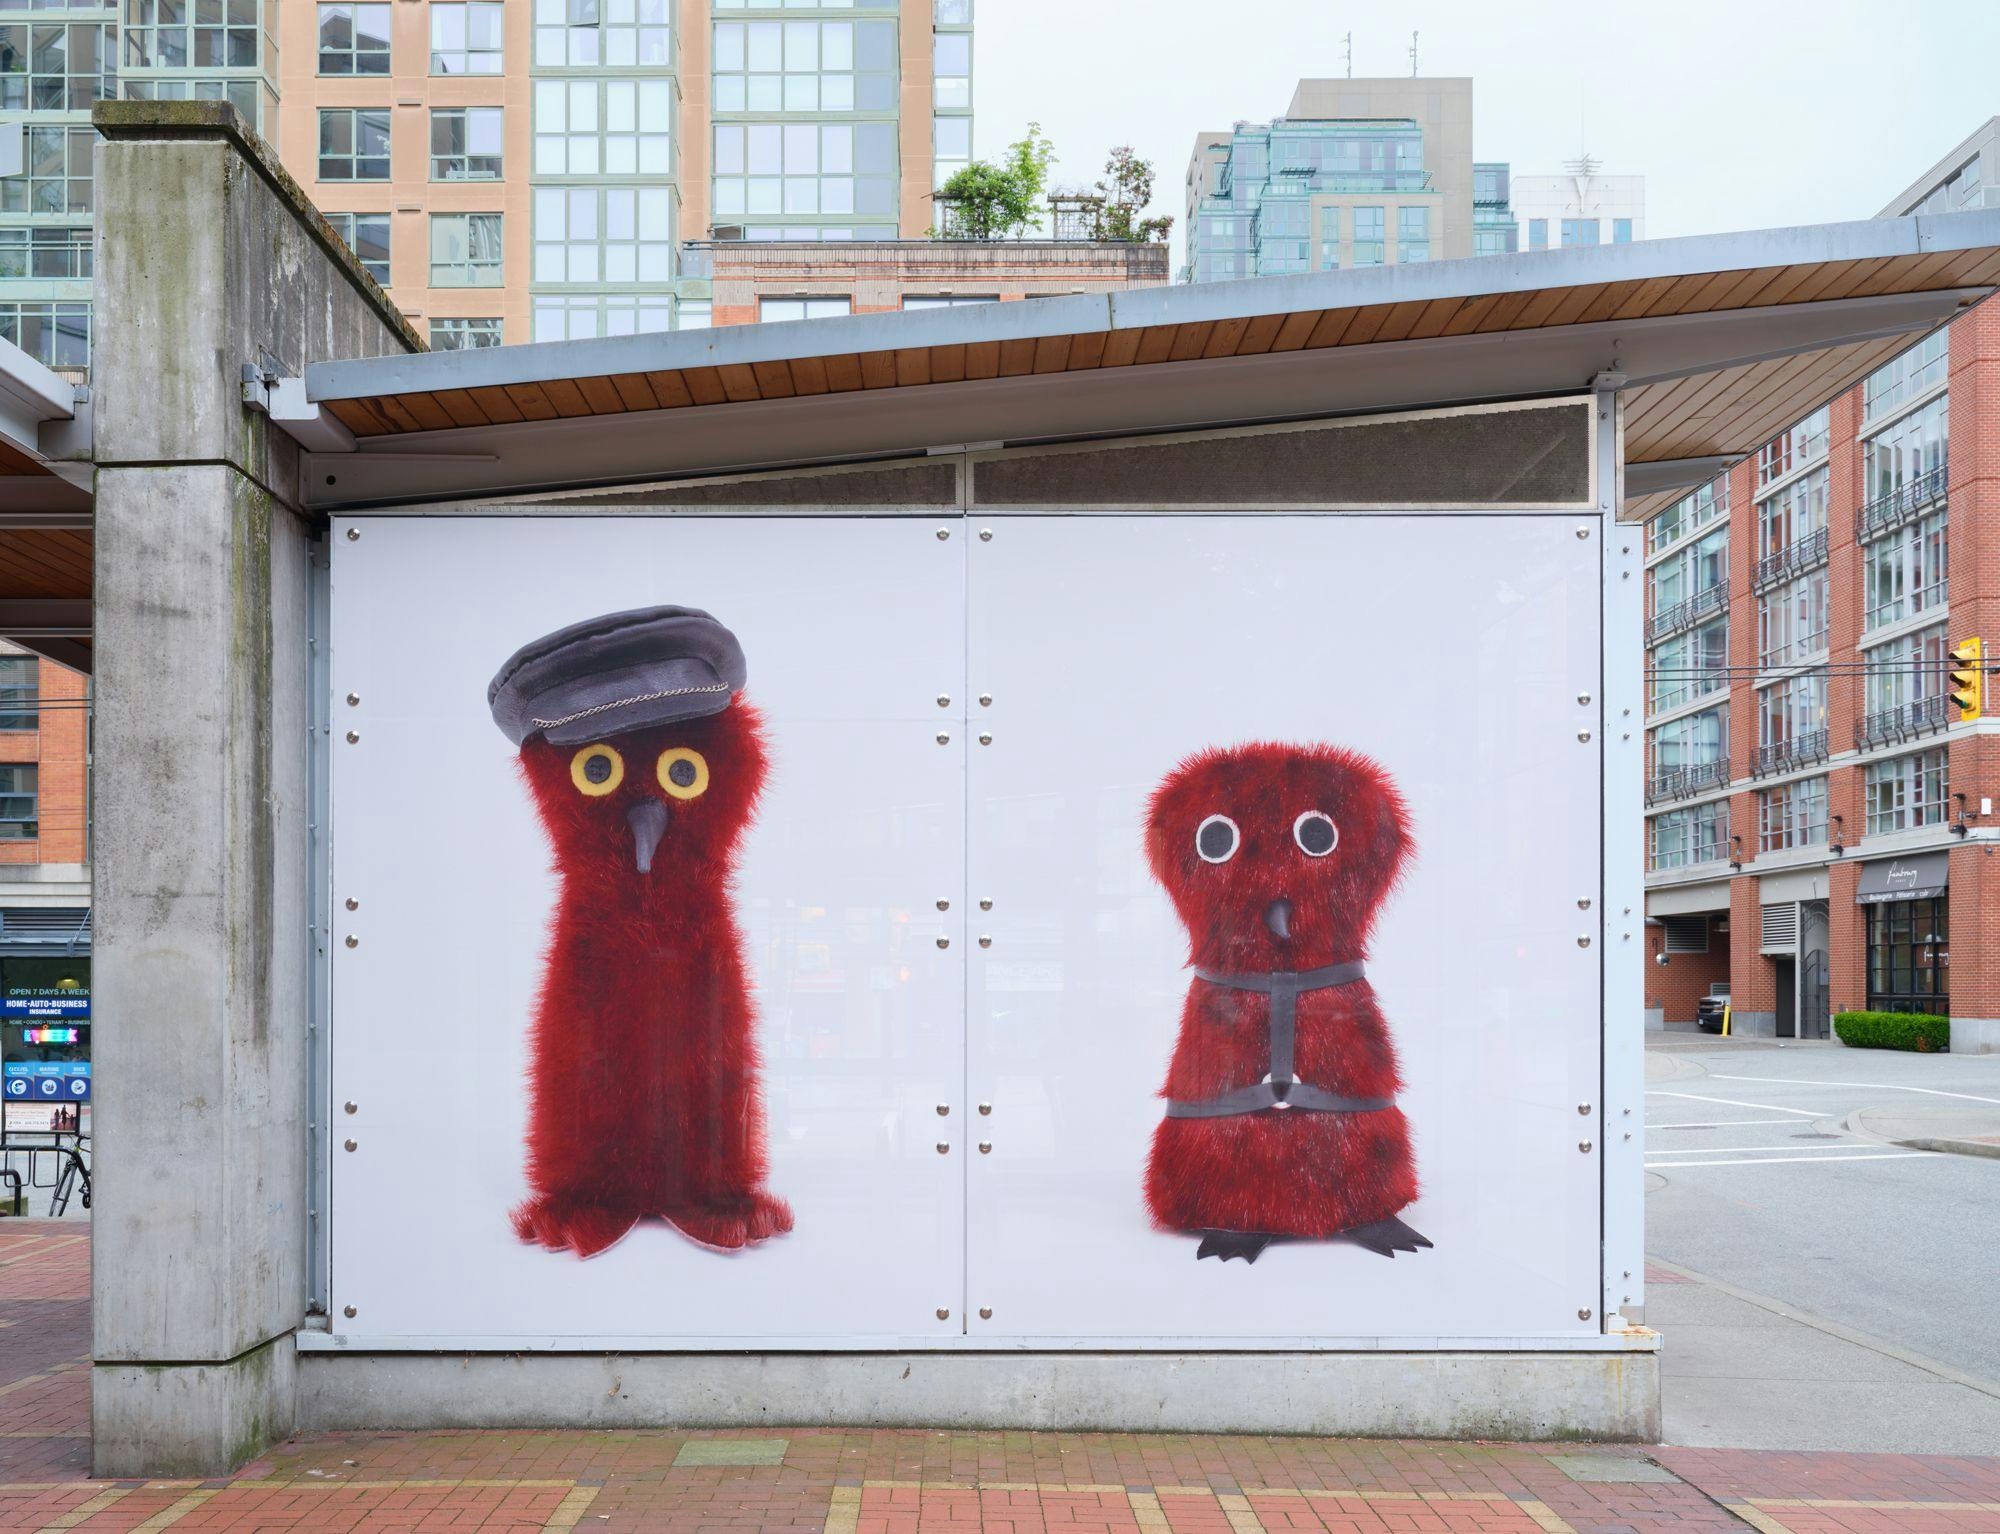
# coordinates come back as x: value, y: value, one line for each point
x: 208, y: 257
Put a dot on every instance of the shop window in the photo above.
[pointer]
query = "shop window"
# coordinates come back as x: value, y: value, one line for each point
x: 1909, y: 956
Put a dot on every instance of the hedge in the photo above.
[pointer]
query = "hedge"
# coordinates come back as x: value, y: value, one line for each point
x: 1920, y: 1031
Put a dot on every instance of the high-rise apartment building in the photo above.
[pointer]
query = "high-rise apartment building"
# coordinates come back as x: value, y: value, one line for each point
x: 1582, y: 206
x: 1820, y: 816
x: 508, y: 169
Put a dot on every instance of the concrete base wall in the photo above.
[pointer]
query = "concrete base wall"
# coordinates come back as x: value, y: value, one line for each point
x: 1754, y: 1025
x: 1520, y: 1396
x: 1975, y: 1035
x: 190, y: 1419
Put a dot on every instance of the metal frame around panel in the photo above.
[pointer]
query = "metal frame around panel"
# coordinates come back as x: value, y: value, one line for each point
x: 319, y: 987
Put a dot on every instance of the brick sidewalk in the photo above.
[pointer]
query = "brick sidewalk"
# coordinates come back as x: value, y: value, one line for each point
x: 827, y: 1481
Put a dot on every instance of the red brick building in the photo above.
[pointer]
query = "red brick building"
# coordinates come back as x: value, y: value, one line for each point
x: 1822, y: 824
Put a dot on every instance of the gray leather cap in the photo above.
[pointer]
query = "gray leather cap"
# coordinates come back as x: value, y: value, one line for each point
x: 623, y: 671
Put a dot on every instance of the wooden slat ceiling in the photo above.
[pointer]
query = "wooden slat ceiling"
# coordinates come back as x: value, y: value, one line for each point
x: 1664, y: 421
x: 41, y: 563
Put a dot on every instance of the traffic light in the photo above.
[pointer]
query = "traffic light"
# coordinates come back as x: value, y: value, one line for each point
x: 1967, y: 677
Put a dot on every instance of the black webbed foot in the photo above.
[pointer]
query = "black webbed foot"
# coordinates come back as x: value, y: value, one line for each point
x: 1225, y: 1244
x: 1385, y: 1237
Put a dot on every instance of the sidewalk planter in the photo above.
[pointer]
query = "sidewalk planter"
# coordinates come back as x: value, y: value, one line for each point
x: 1924, y: 1032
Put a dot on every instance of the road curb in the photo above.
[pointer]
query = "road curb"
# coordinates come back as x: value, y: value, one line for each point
x: 1952, y: 1147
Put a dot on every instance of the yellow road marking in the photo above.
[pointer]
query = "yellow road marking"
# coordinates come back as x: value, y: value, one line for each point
x: 1547, y: 1518
x: 572, y: 1507
x: 94, y: 1506
x: 1241, y: 1518
x: 845, y: 1510
x: 168, y: 1516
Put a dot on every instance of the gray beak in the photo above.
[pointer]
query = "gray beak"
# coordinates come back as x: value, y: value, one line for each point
x: 1278, y: 917
x: 648, y: 820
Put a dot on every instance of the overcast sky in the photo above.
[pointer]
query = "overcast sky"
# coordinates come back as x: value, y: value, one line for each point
x: 1740, y: 114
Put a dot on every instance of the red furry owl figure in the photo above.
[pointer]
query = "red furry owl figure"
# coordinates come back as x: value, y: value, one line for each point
x: 645, y: 766
x: 1281, y: 1120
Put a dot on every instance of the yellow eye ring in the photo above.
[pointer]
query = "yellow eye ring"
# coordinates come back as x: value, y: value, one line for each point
x: 683, y: 773
x: 596, y: 770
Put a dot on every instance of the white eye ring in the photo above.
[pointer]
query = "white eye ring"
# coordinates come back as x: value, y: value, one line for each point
x: 1235, y: 839
x: 1298, y: 832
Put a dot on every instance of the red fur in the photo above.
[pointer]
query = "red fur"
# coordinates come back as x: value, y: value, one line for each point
x: 1280, y: 1172
x: 645, y: 1099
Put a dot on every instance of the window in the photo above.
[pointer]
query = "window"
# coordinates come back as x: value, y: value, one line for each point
x: 618, y: 34
x: 1370, y: 231
x: 773, y: 168
x: 56, y: 68
x: 951, y: 147
x: 20, y: 684
x: 692, y: 314
x: 1538, y: 234
x: 1579, y: 231
x: 608, y: 127
x: 1690, y: 513
x: 56, y: 335
x: 1906, y: 670
x: 223, y: 34
x: 1689, y: 571
x: 1684, y: 934
x: 353, y: 144
x: 1792, y: 815
x: 1909, y: 956
x: 1681, y: 838
x: 1793, y: 514
x: 353, y: 39
x: 958, y: 13
x: 1795, y: 448
x: 1621, y: 231
x: 58, y: 172
x: 367, y: 235
x: 952, y: 63
x: 247, y: 96
x: 465, y: 250
x: 1920, y: 368
x: 1689, y: 743
x: 1791, y: 718
x: 802, y: 308
x: 465, y: 143
x: 806, y: 66
x: 19, y: 803
x: 1904, y: 573
x: 466, y: 39
x: 584, y: 317
x: 1493, y: 241
x: 1906, y: 792
x: 609, y: 234
x: 1691, y: 665
x: 1792, y: 621
x: 1413, y: 234
x: 1907, y: 451
x: 463, y: 335
x: 45, y: 252
x: 947, y: 300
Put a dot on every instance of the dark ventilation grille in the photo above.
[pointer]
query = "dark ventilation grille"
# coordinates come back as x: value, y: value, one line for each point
x: 60, y: 926
x: 1523, y: 458
x: 931, y: 483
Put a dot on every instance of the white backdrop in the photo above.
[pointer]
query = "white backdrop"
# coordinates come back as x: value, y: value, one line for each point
x: 1450, y: 649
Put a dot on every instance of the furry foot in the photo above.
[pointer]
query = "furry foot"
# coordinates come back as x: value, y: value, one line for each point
x: 730, y: 1223
x: 562, y: 1223
x: 1385, y: 1237
x: 1225, y: 1244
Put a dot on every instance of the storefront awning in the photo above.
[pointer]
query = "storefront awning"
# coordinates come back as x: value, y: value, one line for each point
x: 1922, y: 876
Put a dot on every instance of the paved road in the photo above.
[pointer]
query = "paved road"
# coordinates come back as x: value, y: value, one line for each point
x: 1755, y: 1181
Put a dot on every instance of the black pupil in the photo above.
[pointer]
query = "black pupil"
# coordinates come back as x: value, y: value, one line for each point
x: 1316, y: 834
x: 1216, y: 839
x: 682, y: 772
x: 597, y: 769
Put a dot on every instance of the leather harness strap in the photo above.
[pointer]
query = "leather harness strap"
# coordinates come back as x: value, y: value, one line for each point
x: 1281, y: 1088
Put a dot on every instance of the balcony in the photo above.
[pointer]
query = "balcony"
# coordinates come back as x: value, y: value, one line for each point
x: 1799, y: 751
x: 1684, y: 782
x: 1886, y: 727
x: 1685, y: 615
x: 1903, y: 504
x: 1788, y: 564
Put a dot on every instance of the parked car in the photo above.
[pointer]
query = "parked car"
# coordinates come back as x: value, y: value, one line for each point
x: 1708, y: 1012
